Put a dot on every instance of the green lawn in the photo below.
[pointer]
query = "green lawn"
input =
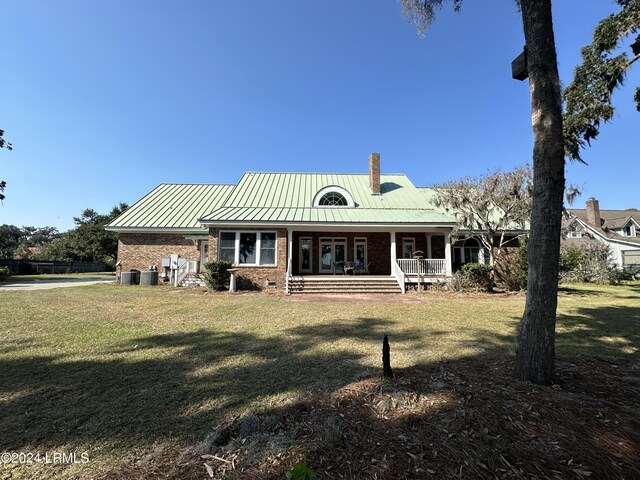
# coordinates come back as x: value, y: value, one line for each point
x: 115, y: 371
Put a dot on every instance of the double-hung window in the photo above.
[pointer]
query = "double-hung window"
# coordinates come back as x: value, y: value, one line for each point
x: 248, y: 248
x: 267, y: 248
x: 227, y: 247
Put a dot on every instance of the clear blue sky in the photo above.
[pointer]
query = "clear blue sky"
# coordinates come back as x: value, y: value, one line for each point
x: 105, y: 100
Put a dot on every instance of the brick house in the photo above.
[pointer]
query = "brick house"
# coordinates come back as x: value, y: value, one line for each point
x: 287, y: 230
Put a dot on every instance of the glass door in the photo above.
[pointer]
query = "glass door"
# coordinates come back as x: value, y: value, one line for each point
x: 304, y: 265
x: 326, y: 255
x: 332, y: 251
x: 340, y: 248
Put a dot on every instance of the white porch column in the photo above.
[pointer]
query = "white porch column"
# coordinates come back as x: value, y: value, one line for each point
x: 393, y: 251
x: 447, y: 253
x: 289, y: 261
x: 428, y: 245
x: 289, y: 248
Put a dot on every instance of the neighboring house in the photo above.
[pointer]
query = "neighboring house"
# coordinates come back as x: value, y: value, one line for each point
x: 619, y: 229
x: 281, y: 228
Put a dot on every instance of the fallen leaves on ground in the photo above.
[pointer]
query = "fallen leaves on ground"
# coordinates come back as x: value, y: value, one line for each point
x: 466, y: 419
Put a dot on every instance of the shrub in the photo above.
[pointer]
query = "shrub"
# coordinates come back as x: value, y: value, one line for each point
x: 217, y: 275
x: 571, y: 258
x: 459, y: 283
x: 479, y: 275
x: 4, y: 273
x: 588, y: 261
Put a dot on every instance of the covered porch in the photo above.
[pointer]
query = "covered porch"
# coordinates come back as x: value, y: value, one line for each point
x: 370, y: 254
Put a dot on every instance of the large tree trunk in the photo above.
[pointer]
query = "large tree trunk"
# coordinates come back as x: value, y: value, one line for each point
x: 536, y: 335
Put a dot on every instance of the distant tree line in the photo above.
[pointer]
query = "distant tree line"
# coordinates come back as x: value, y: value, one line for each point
x: 88, y: 241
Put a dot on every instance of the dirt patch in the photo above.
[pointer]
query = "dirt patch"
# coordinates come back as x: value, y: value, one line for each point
x: 451, y: 420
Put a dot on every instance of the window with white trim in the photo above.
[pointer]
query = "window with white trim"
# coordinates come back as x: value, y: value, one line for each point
x: 360, y: 250
x: 408, y: 247
x: 471, y: 251
x: 248, y: 248
x: 227, y: 247
x: 574, y: 231
x: 333, y: 196
x: 268, y: 248
x: 333, y: 199
x: 627, y: 230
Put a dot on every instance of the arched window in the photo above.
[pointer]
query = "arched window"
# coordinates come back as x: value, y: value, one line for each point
x: 471, y: 251
x: 333, y: 196
x: 333, y: 199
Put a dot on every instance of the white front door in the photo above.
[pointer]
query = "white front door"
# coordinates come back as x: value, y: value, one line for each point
x: 204, y: 255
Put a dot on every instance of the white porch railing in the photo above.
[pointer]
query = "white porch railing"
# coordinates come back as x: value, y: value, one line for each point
x: 184, y: 268
x: 425, y: 266
x: 399, y: 274
x: 288, y: 277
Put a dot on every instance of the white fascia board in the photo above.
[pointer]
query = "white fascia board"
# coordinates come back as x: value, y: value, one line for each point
x: 351, y: 227
x: 480, y: 232
x: 605, y: 238
x: 633, y: 220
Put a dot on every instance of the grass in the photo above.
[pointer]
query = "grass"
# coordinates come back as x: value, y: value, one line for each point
x: 117, y: 371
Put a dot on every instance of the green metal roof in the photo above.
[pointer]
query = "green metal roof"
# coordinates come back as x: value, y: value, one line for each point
x: 299, y: 189
x: 173, y: 207
x: 288, y: 198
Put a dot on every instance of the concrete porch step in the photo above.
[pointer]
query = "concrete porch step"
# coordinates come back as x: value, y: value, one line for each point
x: 193, y: 280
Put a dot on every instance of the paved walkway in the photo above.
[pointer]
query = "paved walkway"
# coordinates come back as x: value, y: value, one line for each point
x: 46, y: 284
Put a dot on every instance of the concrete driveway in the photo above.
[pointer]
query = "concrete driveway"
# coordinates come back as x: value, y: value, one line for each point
x: 46, y: 284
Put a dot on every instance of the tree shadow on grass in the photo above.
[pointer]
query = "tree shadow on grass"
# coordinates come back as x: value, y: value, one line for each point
x: 177, y: 386
x: 611, y: 330
x: 172, y: 386
x: 568, y: 289
x: 464, y: 418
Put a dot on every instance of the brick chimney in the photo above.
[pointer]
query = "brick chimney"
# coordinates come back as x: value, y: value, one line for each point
x: 374, y: 173
x: 593, y: 213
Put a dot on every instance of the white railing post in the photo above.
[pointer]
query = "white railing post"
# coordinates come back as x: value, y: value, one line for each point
x: 289, y: 259
x: 426, y: 266
x: 447, y: 254
x: 186, y: 267
x: 397, y: 272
